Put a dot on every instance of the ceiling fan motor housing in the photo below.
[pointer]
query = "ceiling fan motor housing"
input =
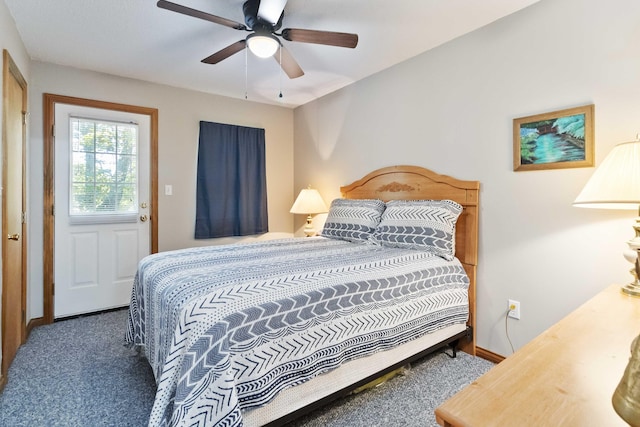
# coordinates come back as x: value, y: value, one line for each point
x: 253, y: 21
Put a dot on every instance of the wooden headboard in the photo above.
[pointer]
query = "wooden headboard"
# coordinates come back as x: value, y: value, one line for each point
x: 416, y: 183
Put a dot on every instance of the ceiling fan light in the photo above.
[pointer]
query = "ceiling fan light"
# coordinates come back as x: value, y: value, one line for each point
x: 263, y: 45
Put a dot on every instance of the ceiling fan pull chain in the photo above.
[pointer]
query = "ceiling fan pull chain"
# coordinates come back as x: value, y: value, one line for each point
x: 246, y: 73
x: 280, y: 73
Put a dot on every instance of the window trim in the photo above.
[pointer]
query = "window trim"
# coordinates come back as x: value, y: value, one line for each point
x: 97, y: 217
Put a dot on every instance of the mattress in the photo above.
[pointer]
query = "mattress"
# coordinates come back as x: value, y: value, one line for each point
x: 226, y: 328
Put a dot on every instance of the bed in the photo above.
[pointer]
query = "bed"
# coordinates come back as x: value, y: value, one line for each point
x: 258, y: 333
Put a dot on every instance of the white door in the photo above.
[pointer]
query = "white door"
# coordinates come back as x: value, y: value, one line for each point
x: 101, y: 206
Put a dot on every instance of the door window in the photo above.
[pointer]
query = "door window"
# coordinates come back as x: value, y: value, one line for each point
x: 104, y: 171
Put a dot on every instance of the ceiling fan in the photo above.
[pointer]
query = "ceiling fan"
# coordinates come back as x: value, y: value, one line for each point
x: 263, y: 18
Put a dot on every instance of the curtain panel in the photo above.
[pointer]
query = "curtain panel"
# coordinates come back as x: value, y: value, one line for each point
x: 231, y: 197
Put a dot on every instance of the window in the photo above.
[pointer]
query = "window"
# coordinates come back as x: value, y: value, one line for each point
x: 104, y: 171
x: 231, y: 194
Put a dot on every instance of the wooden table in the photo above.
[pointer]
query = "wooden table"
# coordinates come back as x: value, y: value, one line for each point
x: 564, y: 377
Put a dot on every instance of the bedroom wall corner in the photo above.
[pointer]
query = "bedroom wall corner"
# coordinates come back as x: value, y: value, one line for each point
x: 451, y: 109
x: 11, y: 41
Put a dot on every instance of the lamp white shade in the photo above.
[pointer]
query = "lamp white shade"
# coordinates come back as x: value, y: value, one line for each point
x: 616, y: 182
x: 309, y: 202
x: 262, y: 45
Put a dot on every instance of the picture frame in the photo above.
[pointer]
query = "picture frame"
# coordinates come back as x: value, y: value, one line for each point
x: 555, y: 140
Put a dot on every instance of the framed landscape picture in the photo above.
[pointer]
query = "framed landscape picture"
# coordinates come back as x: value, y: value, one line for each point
x: 556, y: 140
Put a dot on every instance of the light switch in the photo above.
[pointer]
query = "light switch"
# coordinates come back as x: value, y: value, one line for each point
x: 168, y: 190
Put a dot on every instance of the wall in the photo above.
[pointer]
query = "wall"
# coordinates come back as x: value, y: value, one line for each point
x: 179, y: 113
x: 451, y: 110
x: 10, y: 40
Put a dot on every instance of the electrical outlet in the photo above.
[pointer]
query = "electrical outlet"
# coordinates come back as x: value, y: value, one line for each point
x: 514, y: 309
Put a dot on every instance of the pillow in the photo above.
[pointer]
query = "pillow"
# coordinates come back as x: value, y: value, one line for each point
x: 420, y: 224
x: 353, y: 219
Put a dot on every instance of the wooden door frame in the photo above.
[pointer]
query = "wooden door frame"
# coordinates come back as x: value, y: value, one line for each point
x: 9, y: 67
x: 49, y: 102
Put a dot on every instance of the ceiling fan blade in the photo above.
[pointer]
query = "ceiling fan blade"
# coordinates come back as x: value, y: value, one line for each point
x: 271, y: 10
x: 163, y: 4
x: 288, y: 64
x: 320, y: 37
x: 225, y: 53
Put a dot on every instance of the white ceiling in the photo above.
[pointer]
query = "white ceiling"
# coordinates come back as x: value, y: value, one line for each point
x: 134, y: 38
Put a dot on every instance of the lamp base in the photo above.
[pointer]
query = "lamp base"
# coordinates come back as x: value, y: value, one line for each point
x: 308, y: 228
x: 632, y: 289
x: 633, y: 256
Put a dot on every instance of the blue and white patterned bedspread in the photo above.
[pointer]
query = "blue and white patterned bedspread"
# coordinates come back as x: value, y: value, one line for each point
x: 227, y: 327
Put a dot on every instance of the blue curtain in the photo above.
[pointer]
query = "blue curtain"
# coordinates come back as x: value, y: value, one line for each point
x: 231, y: 189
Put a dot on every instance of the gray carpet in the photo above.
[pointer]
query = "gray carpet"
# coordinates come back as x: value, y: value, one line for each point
x: 78, y: 373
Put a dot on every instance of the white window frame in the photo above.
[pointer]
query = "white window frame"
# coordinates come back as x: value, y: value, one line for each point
x: 99, y: 217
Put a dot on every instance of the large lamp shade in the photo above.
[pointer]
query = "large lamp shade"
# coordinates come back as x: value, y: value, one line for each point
x: 616, y: 182
x: 616, y: 185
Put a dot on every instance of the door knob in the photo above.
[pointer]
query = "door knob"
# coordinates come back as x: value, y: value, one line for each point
x: 13, y: 236
x: 143, y: 218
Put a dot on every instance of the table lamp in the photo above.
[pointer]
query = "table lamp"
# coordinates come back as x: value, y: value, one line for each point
x: 309, y: 202
x: 616, y: 185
